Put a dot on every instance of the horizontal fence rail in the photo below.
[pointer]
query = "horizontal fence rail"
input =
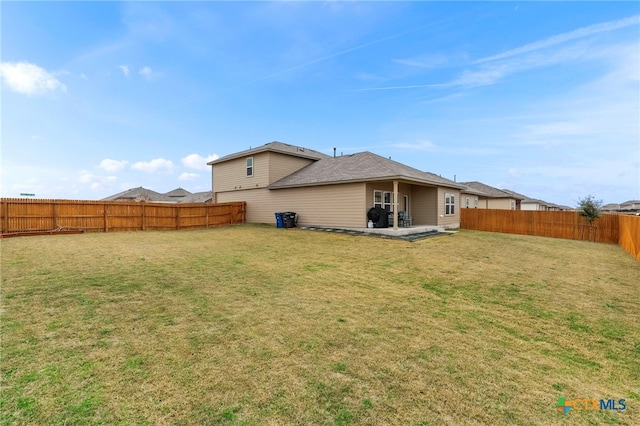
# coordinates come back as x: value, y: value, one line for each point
x: 19, y: 216
x: 609, y: 228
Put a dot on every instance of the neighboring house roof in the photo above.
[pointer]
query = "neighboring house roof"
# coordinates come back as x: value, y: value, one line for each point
x: 611, y: 207
x: 138, y: 194
x: 630, y: 205
x: 279, y: 147
x: 198, y: 197
x: 526, y: 199
x: 469, y: 190
x: 488, y: 191
x: 178, y: 193
x: 363, y: 166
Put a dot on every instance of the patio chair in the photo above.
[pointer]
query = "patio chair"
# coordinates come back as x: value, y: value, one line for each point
x: 404, y: 219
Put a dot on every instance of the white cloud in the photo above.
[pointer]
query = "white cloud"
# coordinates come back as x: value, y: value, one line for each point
x: 421, y: 146
x: 113, y: 165
x: 195, y: 161
x: 564, y: 37
x: 153, y: 166
x: 541, y: 53
x: 426, y: 145
x: 125, y: 69
x: 29, y: 79
x: 95, y: 181
x: 188, y: 176
x: 425, y: 61
x: 146, y: 72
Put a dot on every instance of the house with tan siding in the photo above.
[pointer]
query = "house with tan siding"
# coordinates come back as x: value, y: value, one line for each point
x: 528, y: 203
x: 332, y: 191
x: 490, y: 197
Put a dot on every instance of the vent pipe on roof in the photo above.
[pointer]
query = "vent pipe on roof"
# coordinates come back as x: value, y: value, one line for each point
x: 334, y: 153
x: 454, y: 178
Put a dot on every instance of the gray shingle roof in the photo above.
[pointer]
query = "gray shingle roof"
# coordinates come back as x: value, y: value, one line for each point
x: 526, y: 199
x: 488, y: 191
x: 143, y: 194
x: 178, y: 193
x: 363, y: 166
x: 198, y: 197
x: 280, y: 147
x: 139, y: 194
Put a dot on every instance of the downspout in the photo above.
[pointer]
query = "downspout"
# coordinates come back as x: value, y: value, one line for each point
x: 213, y: 194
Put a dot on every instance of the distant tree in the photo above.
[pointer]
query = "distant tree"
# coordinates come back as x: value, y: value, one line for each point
x: 589, y: 208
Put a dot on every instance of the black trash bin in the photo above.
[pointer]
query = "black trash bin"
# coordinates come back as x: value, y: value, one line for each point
x: 290, y: 219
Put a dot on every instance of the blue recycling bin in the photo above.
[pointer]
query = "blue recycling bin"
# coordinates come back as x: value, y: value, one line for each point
x: 279, y: 220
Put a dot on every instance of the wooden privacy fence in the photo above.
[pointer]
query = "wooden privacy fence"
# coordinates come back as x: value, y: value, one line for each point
x: 19, y: 216
x: 609, y: 228
x: 629, y: 239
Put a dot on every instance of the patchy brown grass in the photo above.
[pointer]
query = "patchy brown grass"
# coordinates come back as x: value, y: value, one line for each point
x: 257, y: 325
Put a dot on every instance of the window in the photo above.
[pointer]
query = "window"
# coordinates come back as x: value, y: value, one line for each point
x: 406, y: 204
x: 383, y: 199
x: 475, y: 202
x: 466, y: 202
x: 449, y: 204
x: 388, y: 201
x: 250, y: 167
x: 377, y: 198
x: 513, y: 204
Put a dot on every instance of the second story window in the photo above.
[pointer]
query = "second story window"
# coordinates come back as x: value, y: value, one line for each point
x: 250, y: 167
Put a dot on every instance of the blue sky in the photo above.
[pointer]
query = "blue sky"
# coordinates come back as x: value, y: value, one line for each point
x: 541, y: 98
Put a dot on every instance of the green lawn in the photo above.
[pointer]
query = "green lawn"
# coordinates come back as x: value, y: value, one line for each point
x: 256, y: 325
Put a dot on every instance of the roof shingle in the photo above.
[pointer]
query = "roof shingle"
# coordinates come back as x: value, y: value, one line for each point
x: 280, y: 147
x: 363, y: 166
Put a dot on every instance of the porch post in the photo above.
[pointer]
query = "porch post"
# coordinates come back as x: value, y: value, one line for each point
x: 395, y: 205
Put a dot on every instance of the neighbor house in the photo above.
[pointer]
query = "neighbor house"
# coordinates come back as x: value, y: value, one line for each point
x: 527, y: 203
x: 331, y: 191
x: 177, y: 195
x: 630, y: 206
x: 489, y: 197
x: 612, y: 207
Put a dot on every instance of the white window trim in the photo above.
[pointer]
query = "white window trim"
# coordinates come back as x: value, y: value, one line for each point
x: 380, y: 203
x: 449, y: 204
x: 249, y: 166
x: 383, y: 204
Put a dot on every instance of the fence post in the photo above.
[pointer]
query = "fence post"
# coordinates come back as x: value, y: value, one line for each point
x: 106, y: 218
x: 5, y: 216
x: 144, y: 216
x: 177, y: 217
